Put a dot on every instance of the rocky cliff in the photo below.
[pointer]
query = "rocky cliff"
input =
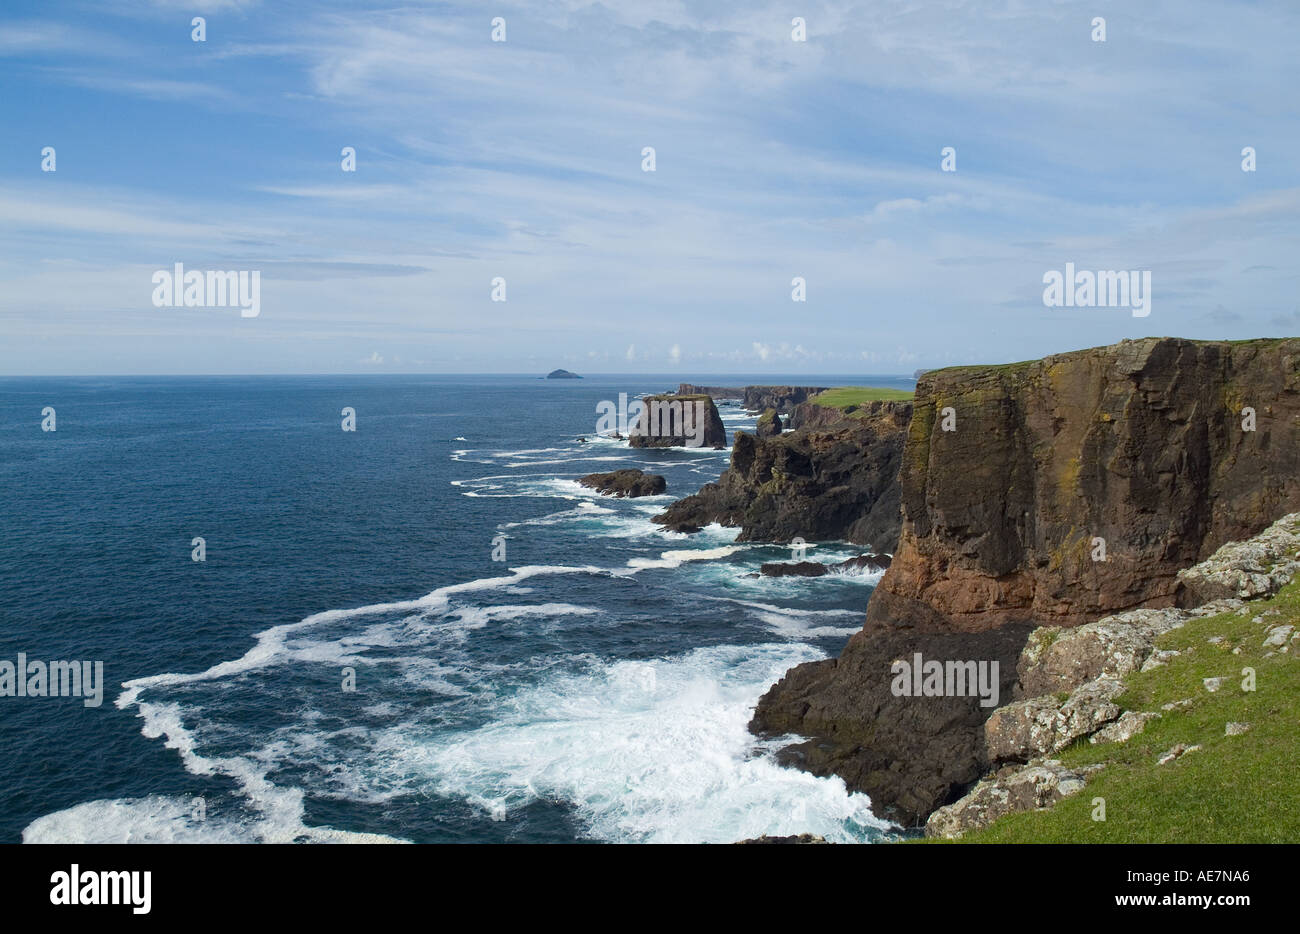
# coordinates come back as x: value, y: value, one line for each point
x: 1049, y: 492
x: 757, y: 398
x: 1140, y: 444
x: 834, y: 482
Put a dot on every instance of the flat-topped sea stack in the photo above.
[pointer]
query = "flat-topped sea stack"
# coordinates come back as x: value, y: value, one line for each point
x: 678, y: 420
x: 1051, y: 492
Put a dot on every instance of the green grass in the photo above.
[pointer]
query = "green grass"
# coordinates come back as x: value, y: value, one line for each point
x: 844, y: 396
x: 1233, y: 789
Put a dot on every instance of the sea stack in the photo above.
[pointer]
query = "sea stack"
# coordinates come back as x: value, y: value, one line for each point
x: 674, y: 420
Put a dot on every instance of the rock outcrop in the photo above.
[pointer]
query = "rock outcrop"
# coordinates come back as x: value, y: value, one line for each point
x: 1039, y: 784
x: 837, y: 483
x: 768, y: 425
x: 862, y: 563
x: 628, y: 482
x: 673, y: 420
x: 1015, y: 481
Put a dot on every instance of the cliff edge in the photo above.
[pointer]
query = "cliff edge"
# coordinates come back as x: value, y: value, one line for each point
x: 1050, y: 492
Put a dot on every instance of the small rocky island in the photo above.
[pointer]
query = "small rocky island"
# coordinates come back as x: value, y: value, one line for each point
x: 562, y: 374
x: 628, y: 482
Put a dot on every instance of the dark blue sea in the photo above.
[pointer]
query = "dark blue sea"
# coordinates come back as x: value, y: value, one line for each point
x: 592, y: 686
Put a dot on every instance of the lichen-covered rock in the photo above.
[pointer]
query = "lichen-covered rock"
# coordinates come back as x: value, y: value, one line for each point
x: 1278, y: 636
x: 1039, y: 725
x: 1129, y: 724
x: 1159, y: 658
x: 1249, y: 570
x: 1176, y: 751
x: 1040, y: 784
x: 1057, y: 659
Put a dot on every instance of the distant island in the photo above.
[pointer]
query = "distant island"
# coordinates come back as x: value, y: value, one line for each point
x: 562, y: 374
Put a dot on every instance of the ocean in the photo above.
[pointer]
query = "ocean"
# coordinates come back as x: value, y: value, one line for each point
x: 592, y: 686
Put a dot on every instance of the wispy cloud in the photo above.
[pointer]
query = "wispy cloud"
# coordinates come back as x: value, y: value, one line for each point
x: 775, y: 159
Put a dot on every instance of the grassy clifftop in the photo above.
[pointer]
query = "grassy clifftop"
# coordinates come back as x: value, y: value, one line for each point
x: 843, y: 397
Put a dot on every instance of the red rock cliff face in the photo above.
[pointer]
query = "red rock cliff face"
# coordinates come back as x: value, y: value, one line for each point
x: 1139, y: 444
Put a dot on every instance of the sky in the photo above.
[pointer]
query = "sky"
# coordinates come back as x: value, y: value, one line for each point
x: 522, y: 160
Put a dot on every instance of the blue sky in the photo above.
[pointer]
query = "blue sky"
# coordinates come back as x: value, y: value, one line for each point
x: 522, y: 159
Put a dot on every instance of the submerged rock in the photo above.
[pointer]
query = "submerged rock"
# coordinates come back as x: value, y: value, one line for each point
x: 868, y: 563
x: 794, y: 569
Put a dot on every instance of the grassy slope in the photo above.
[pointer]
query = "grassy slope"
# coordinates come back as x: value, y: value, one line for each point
x: 844, y: 396
x: 1234, y: 789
